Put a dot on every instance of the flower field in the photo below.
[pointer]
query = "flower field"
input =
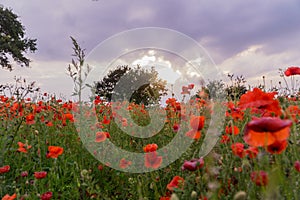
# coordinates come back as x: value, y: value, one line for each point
x: 256, y: 156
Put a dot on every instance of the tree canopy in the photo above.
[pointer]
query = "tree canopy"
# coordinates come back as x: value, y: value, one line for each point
x: 137, y: 85
x: 13, y: 43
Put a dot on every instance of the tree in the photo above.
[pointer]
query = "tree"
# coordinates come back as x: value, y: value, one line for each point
x: 137, y: 85
x: 13, y: 44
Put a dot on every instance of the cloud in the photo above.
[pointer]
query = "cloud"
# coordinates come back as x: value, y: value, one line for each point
x: 253, y: 63
x: 51, y: 77
x: 238, y: 35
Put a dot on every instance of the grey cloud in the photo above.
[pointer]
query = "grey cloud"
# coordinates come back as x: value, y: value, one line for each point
x: 224, y: 28
x: 232, y: 25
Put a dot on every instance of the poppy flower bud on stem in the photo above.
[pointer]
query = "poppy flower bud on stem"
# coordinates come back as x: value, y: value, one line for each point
x: 241, y: 195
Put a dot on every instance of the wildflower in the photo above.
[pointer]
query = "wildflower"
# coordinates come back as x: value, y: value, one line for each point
x: 194, y: 194
x: 54, y: 151
x: 197, y: 122
x: 69, y: 117
x: 266, y: 130
x: 49, y: 123
x: 23, y: 147
x: 174, y: 197
x: 105, y: 120
x: 203, y: 93
x: 238, y: 149
x: 229, y: 130
x: 101, y: 136
x: 150, y: 148
x: 124, y: 122
x: 252, y: 152
x: 225, y: 139
x: 194, y: 134
x: 152, y: 160
x: 233, y: 112
x: 260, y: 102
x: 165, y: 198
x: 40, y: 175
x: 297, y: 165
x: 8, y: 197
x: 293, y: 111
x: 30, y: 119
x: 260, y: 178
x: 293, y: 70
x: 193, y: 164
x: 176, y: 127
x: 124, y: 163
x: 176, y: 182
x: 100, y: 167
x: 191, y: 86
x: 185, y: 90
x: 4, y: 169
x: 240, y: 195
x: 277, y: 147
x: 97, y: 100
x: 24, y: 174
x: 46, y: 196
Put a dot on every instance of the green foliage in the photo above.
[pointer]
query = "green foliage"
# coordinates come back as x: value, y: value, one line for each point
x: 237, y: 87
x: 137, y: 85
x: 106, y: 86
x: 76, y: 70
x: 13, y: 41
x: 20, y: 89
x: 215, y: 89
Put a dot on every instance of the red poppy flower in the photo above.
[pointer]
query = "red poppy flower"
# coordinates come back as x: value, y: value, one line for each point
x: 30, y: 119
x: 105, y: 120
x: 277, y: 147
x: 193, y: 164
x: 238, y: 149
x: 8, y: 197
x: 266, y: 130
x: 185, y: 90
x: 124, y: 122
x: 171, y: 101
x: 124, y: 163
x: 191, y: 86
x: 197, y: 122
x: 176, y: 127
x: 233, y: 112
x: 100, y: 167
x: 252, y: 152
x: 69, y: 116
x: 229, y: 130
x: 176, y: 182
x: 165, y: 198
x: 150, y: 148
x: 101, y: 136
x: 152, y: 160
x: 194, y: 134
x: 293, y: 111
x: 23, y: 147
x: 261, y: 102
x: 225, y: 139
x: 49, y: 123
x: 40, y: 175
x: 4, y: 169
x: 46, y: 196
x: 297, y: 165
x: 24, y: 173
x: 260, y: 178
x: 54, y: 151
x: 293, y: 70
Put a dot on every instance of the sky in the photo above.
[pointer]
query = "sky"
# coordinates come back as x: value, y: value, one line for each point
x: 252, y: 38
